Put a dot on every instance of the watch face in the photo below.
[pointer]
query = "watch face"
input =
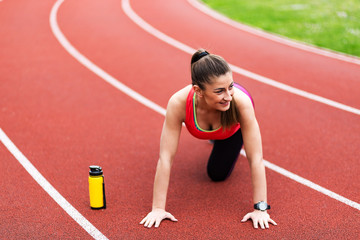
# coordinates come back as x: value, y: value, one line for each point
x: 262, y: 206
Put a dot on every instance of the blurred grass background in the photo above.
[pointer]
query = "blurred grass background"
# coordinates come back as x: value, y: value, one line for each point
x: 331, y: 24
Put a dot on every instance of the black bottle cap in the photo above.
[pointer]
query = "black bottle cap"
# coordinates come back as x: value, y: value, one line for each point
x: 95, y: 170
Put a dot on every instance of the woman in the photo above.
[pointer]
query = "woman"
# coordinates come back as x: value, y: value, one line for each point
x: 213, y: 108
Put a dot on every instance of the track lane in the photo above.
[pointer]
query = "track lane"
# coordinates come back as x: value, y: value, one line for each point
x: 243, y: 72
x: 105, y: 76
x: 26, y: 90
x: 337, y: 136
x: 285, y: 157
x: 303, y: 70
x: 27, y: 210
x: 93, y: 141
x: 75, y: 36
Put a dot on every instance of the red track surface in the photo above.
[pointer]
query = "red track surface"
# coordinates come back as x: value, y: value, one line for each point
x: 64, y: 118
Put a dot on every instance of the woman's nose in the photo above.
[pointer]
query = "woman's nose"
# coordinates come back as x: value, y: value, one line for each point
x: 228, y: 96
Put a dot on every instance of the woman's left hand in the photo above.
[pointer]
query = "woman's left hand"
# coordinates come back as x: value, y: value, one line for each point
x: 259, y: 218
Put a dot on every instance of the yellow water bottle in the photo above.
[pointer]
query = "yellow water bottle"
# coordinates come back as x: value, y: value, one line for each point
x: 96, y: 188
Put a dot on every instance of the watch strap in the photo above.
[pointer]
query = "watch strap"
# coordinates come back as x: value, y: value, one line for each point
x: 256, y: 206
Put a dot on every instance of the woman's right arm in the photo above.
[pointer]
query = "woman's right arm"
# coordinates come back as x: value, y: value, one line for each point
x: 168, y: 146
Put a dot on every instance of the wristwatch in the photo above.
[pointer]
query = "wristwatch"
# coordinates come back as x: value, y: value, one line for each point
x: 262, y: 206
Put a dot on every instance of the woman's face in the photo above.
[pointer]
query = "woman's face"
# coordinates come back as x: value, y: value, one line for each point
x: 218, y: 94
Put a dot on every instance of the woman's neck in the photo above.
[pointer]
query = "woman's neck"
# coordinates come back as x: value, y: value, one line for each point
x: 201, y: 105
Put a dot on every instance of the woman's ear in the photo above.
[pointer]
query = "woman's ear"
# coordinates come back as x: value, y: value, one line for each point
x: 198, y: 90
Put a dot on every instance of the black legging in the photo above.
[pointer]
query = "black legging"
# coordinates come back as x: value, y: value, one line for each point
x: 223, y: 157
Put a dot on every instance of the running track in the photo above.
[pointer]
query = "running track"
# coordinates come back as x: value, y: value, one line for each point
x: 63, y: 118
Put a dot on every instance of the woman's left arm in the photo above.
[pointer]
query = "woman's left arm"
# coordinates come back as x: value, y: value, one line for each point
x: 253, y: 148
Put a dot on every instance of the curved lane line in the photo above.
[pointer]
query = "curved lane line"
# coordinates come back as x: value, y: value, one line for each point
x: 93, y: 67
x: 105, y: 76
x: 49, y: 189
x: 153, y: 31
x: 280, y: 39
x: 54, y: 194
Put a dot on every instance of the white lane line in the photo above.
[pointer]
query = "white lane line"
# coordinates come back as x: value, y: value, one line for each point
x: 78, y: 56
x: 153, y: 31
x: 280, y: 39
x: 94, y: 68
x: 308, y: 183
x: 54, y: 194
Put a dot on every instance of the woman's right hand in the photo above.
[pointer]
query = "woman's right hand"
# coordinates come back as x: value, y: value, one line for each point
x: 156, y: 216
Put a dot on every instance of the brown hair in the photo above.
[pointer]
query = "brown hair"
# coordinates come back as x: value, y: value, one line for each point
x: 204, y: 67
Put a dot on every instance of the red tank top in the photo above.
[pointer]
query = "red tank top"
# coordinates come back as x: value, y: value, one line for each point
x: 194, y: 128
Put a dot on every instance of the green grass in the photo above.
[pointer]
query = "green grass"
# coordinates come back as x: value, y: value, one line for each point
x: 332, y: 24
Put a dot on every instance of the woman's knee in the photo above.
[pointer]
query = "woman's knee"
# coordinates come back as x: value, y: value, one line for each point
x: 217, y: 176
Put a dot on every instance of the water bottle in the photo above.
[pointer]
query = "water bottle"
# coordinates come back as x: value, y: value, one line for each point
x: 96, y: 188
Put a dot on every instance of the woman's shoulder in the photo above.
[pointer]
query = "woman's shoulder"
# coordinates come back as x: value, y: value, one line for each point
x: 243, y: 100
x: 179, y: 98
x: 177, y: 102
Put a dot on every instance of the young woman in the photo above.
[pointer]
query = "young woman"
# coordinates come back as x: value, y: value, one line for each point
x: 214, y: 108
